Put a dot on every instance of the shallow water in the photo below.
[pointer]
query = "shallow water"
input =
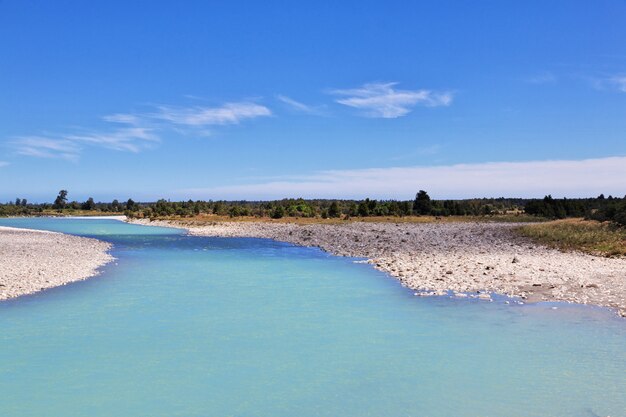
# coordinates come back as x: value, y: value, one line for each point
x: 192, y: 326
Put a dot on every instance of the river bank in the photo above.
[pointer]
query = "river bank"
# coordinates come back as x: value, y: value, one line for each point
x: 34, y: 260
x: 470, y: 259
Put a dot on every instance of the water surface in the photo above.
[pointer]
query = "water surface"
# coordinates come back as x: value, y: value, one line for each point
x: 194, y: 327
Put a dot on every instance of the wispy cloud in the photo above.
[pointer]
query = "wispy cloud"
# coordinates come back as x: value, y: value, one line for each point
x: 135, y: 132
x: 619, y: 82
x: 46, y: 147
x: 130, y: 119
x: 129, y: 139
x: 545, y: 77
x: 69, y: 146
x: 199, y: 116
x: 4, y: 164
x: 571, y: 178
x: 386, y: 101
x: 607, y: 82
x: 299, y: 106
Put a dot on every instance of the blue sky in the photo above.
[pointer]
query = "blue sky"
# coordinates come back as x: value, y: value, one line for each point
x: 258, y: 100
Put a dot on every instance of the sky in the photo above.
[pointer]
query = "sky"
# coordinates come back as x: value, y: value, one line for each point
x: 274, y: 99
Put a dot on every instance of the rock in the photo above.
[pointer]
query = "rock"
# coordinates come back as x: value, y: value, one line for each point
x: 33, y: 260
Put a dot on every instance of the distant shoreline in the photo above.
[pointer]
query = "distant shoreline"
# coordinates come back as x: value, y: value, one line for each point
x: 469, y: 259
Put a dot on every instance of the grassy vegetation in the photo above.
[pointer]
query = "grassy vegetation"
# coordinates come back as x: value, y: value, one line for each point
x: 588, y: 236
x: 213, y: 218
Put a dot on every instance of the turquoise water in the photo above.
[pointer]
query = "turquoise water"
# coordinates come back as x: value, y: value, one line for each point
x: 194, y: 327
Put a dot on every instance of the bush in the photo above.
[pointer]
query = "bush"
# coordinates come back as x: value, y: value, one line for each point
x: 278, y: 212
x: 333, y: 210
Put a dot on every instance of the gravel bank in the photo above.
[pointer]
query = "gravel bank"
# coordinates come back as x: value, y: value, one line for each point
x: 33, y: 260
x: 466, y: 258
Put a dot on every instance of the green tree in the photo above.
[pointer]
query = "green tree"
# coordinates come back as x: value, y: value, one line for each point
x: 61, y: 200
x: 131, y: 205
x: 89, y: 204
x: 422, y: 204
x: 363, y: 209
x: 278, y: 212
x: 354, y: 210
x: 333, y: 210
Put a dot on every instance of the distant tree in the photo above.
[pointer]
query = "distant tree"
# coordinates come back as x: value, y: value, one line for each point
x: 18, y: 201
x: 620, y: 213
x: 24, y: 202
x: 218, y: 207
x: 278, y: 212
x: 354, y: 210
x: 363, y: 209
x: 422, y: 203
x: 405, y: 208
x: 163, y: 208
x: 333, y: 210
x: 89, y: 204
x: 131, y: 205
x: 61, y: 200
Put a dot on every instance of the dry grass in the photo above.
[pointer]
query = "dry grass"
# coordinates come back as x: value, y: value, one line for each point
x: 211, y: 218
x: 577, y: 234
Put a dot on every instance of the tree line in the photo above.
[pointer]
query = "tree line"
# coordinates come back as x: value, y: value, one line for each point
x: 598, y: 208
x: 61, y: 205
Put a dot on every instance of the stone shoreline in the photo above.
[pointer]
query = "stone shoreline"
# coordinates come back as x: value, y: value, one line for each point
x: 34, y: 260
x: 473, y: 259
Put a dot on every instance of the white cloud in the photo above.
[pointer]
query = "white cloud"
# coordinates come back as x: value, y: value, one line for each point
x: 383, y: 100
x: 46, y: 147
x: 70, y: 146
x: 608, y: 83
x: 130, y: 139
x: 3, y: 164
x: 301, y: 107
x: 130, y: 119
x: 570, y: 178
x: 619, y: 82
x: 138, y: 131
x: 198, y: 116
